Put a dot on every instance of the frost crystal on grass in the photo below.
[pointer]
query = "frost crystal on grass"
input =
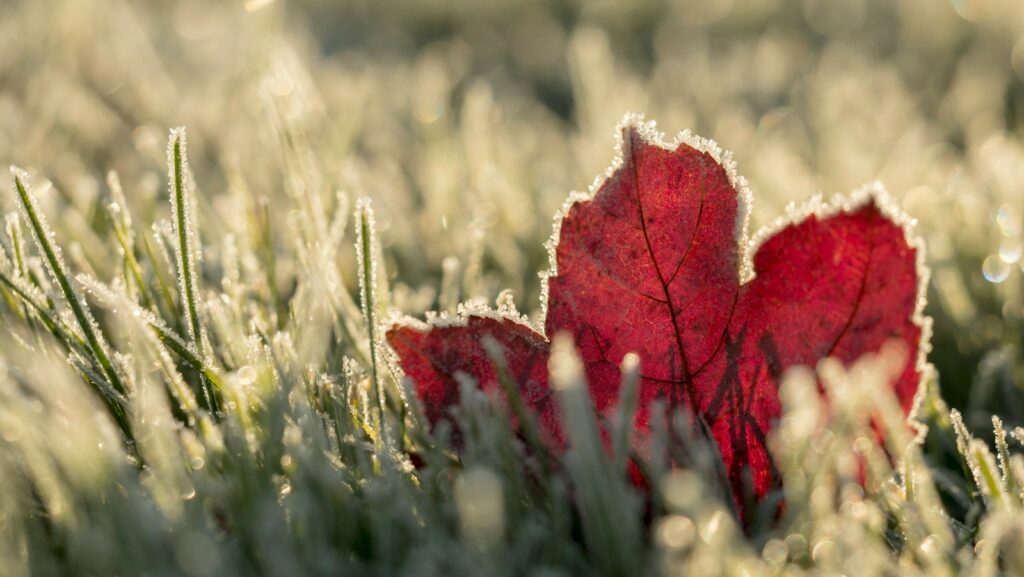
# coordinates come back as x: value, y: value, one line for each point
x: 296, y: 476
x: 1003, y: 451
x: 47, y: 246
x: 188, y: 273
x: 118, y: 205
x: 181, y: 211
x: 12, y: 226
x: 367, y: 263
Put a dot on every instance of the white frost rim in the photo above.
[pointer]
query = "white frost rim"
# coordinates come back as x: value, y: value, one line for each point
x: 794, y: 214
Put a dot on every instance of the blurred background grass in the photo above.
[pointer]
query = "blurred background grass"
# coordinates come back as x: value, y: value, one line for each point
x: 468, y: 123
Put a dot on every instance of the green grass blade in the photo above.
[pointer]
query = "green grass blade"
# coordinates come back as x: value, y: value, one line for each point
x: 188, y: 285
x: 368, y: 298
x: 121, y: 221
x: 55, y: 264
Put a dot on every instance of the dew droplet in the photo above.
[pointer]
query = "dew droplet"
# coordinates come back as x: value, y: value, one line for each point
x: 775, y: 552
x: 995, y: 270
x: 714, y: 528
x: 246, y: 375
x: 825, y: 552
x: 676, y: 532
x: 481, y: 508
x: 1010, y: 250
x: 12, y: 433
x: 1007, y: 221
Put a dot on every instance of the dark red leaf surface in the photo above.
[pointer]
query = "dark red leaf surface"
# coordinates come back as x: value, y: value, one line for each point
x: 655, y: 262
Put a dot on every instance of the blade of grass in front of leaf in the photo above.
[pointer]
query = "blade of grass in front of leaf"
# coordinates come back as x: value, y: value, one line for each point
x: 610, y: 521
x: 622, y: 427
x: 527, y: 420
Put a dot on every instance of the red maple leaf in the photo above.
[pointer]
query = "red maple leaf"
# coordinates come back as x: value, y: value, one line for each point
x: 656, y: 261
